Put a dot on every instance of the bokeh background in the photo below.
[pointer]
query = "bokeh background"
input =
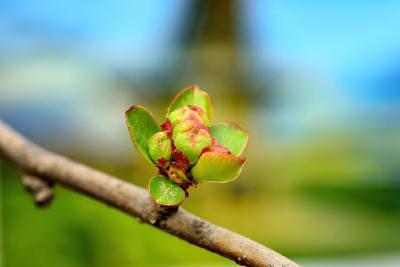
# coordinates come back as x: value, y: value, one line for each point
x: 317, y: 83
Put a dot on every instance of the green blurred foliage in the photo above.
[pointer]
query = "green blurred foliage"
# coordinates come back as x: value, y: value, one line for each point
x: 79, y: 231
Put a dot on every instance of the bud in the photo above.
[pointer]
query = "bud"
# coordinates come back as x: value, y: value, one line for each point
x: 189, y: 112
x: 190, y: 137
x: 186, y: 149
x: 177, y: 174
x: 160, y: 149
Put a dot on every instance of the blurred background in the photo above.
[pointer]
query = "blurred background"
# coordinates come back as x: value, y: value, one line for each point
x: 317, y: 83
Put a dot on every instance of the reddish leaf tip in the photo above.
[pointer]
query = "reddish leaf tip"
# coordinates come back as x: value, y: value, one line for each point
x: 133, y: 107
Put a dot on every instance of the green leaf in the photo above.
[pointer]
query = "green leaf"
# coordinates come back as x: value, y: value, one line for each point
x: 141, y: 126
x: 217, y: 167
x: 165, y: 192
x: 192, y: 96
x: 230, y: 136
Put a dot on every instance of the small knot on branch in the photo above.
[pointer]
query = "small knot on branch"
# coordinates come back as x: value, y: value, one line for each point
x: 155, y: 213
x: 40, y: 189
x: 165, y: 212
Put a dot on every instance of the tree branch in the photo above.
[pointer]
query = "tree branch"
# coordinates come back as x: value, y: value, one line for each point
x: 38, y: 162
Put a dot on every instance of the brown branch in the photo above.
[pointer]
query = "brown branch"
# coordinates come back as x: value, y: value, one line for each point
x: 134, y: 200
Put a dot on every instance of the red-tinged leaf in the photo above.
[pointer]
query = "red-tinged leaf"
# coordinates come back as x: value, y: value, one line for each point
x: 192, y: 95
x: 165, y: 192
x: 231, y: 136
x: 166, y: 126
x: 189, y: 112
x: 217, y: 167
x: 141, y: 126
x: 180, y: 158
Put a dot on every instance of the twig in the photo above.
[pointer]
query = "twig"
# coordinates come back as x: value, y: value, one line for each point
x: 40, y: 189
x: 134, y: 200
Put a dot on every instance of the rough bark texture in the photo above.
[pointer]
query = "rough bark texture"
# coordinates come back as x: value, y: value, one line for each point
x: 53, y: 168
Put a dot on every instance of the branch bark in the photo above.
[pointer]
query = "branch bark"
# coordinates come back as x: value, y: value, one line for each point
x: 53, y: 168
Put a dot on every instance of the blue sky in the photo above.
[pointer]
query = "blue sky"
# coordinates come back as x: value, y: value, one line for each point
x: 133, y: 23
x: 354, y: 43
x: 332, y: 34
x: 139, y: 30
